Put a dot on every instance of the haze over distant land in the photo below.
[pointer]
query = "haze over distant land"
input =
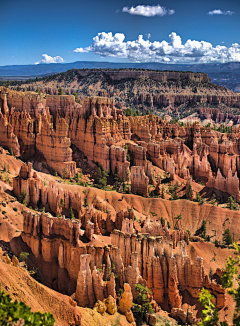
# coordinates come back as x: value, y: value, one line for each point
x: 227, y: 74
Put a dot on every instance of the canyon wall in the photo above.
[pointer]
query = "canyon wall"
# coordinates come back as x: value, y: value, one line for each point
x: 69, y: 265
x: 217, y: 115
x: 45, y: 135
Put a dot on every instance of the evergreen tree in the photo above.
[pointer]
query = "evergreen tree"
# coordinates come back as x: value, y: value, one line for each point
x: 162, y: 221
x: 76, y: 177
x: 71, y: 213
x: 102, y: 178
x: 178, y: 218
x: 173, y: 191
x: 227, y: 238
x: 22, y: 197
x: 163, y: 191
x: 128, y: 112
x: 232, y: 203
x: 210, y: 313
x: 143, y: 306
x: 60, y: 91
x: 64, y: 173
x: 198, y: 198
x: 18, y: 313
x: 202, y: 230
x: 189, y: 192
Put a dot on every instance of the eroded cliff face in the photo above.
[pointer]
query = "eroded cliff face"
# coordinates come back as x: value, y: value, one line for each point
x: 160, y: 262
x: 125, y: 146
x: 218, y: 116
x: 152, y: 89
x: 29, y: 131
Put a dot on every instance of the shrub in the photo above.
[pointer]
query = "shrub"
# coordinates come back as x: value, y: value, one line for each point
x: 85, y: 202
x: 162, y: 195
x: 15, y: 209
x: 198, y: 198
x: 173, y: 191
x: 120, y: 292
x: 232, y: 203
x: 60, y: 91
x: 76, y: 177
x: 23, y: 256
x: 71, y: 213
x: 14, y: 312
x: 22, y: 197
x: 64, y: 173
x: 217, y: 243
x: 143, y: 306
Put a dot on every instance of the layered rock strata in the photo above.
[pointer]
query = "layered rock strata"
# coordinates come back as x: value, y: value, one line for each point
x: 117, y: 143
x: 159, y: 262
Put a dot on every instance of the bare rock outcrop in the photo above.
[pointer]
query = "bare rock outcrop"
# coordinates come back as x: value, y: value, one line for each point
x: 159, y: 262
x: 126, y: 302
x: 139, y: 181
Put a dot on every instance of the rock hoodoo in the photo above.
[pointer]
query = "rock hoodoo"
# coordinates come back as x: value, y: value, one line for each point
x: 44, y: 130
x: 160, y: 262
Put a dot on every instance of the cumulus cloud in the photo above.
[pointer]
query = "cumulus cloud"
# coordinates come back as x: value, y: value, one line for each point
x: 148, y: 11
x: 81, y: 50
x: 220, y: 12
x: 140, y: 50
x: 48, y: 59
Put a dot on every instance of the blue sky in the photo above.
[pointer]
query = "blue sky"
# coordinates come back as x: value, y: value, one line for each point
x: 173, y: 31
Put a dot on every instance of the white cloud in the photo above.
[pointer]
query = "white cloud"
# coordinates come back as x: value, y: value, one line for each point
x: 148, y: 11
x: 220, y: 12
x: 81, y: 50
x: 48, y: 59
x: 140, y: 50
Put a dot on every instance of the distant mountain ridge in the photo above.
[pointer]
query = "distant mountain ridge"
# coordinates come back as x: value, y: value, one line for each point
x: 223, y: 74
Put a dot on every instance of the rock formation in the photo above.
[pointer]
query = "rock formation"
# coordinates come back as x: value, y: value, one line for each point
x: 44, y: 129
x: 230, y: 184
x: 148, y: 89
x: 126, y: 302
x: 160, y: 262
x: 139, y: 181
